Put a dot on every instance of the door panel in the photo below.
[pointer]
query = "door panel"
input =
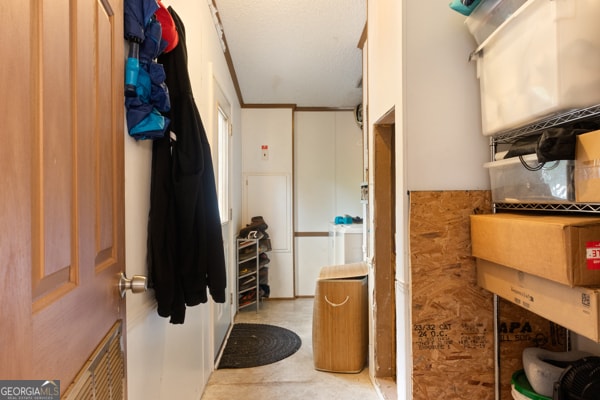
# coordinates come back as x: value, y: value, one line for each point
x: 61, y: 203
x: 52, y: 186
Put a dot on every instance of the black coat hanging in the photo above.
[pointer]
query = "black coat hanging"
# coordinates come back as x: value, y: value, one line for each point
x: 185, y: 243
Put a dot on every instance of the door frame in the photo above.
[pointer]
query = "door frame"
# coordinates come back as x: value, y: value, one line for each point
x: 223, y: 314
x: 384, y: 260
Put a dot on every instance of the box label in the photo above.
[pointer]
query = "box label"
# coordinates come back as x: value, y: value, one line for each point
x: 445, y: 336
x: 592, y: 250
x: 433, y: 336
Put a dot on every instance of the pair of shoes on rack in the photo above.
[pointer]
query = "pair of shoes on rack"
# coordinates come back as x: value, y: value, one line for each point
x: 257, y: 224
x: 263, y: 259
x: 247, y: 298
x: 247, y: 267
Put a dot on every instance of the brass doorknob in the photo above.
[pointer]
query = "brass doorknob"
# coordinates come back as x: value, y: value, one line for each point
x: 137, y: 284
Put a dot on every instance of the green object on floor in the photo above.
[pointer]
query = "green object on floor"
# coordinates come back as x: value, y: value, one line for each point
x: 523, y: 389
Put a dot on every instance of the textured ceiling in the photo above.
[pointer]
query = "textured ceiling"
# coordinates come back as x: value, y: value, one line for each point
x: 301, y: 52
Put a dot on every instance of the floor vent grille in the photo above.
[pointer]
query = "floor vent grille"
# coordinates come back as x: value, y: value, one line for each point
x: 102, y: 377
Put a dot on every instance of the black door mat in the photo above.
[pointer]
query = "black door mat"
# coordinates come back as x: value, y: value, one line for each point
x: 253, y: 345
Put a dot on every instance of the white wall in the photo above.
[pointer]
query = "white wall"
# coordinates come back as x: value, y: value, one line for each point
x: 164, y: 360
x: 267, y: 188
x: 383, y: 57
x: 348, y: 164
x: 442, y: 123
x: 327, y: 175
x: 314, y: 171
x: 314, y: 194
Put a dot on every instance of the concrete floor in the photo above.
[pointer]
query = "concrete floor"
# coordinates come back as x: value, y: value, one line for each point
x: 294, y: 377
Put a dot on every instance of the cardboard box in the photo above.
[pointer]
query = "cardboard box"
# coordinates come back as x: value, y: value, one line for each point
x: 564, y: 249
x: 575, y: 308
x: 340, y: 319
x: 587, y: 168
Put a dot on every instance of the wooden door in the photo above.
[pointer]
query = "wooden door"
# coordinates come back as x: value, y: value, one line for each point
x: 61, y: 184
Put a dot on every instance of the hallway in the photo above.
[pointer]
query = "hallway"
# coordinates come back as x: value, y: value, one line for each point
x: 293, y: 378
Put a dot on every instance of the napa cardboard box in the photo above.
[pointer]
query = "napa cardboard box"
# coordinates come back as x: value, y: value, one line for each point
x: 564, y: 249
x: 575, y: 308
x: 340, y: 318
x: 587, y: 168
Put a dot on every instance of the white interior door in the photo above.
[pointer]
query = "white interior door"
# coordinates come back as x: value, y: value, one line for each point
x: 269, y: 195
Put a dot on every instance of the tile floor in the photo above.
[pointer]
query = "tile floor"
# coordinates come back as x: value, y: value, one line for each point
x: 294, y: 377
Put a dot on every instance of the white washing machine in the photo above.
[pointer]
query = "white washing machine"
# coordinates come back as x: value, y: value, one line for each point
x: 345, y: 243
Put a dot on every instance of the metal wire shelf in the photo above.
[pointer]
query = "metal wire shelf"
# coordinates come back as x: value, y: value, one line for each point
x: 583, y: 114
x: 550, y: 207
x: 549, y: 122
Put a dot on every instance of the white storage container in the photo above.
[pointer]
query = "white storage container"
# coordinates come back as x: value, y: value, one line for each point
x: 346, y: 243
x: 544, y: 59
x: 489, y: 15
x: 512, y: 182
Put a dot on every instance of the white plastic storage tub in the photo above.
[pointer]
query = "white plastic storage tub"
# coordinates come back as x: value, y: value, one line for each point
x: 544, y: 59
x: 512, y: 182
x: 346, y: 243
x: 489, y: 15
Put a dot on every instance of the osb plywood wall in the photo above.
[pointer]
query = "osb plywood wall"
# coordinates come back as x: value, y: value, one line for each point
x: 452, y: 317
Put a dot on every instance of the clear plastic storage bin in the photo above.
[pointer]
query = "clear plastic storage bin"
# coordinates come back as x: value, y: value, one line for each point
x: 512, y: 182
x: 489, y: 15
x: 544, y: 59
